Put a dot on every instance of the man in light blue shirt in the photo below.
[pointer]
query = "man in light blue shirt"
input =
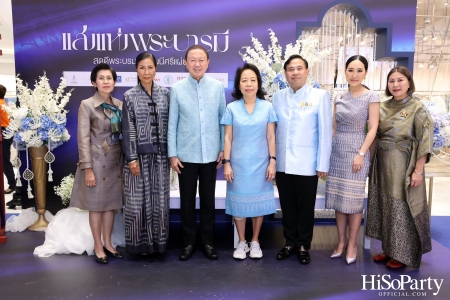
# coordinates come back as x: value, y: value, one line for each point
x: 195, y: 146
x: 303, y: 147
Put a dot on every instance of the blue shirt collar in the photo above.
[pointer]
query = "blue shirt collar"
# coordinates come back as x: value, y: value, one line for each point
x: 303, y: 90
x: 194, y: 81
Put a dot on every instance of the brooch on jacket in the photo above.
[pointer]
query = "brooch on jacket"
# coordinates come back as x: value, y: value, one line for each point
x: 306, y: 104
x: 403, y: 114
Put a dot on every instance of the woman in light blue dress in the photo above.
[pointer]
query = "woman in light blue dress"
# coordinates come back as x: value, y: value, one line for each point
x: 249, y: 152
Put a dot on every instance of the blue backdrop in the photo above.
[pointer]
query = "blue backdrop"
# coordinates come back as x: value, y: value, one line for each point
x: 57, y: 36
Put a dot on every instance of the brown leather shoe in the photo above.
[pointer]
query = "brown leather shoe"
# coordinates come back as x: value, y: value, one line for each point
x: 393, y: 264
x: 381, y: 257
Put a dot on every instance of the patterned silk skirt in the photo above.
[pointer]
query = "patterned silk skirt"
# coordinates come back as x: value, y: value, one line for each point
x: 404, y: 237
x: 390, y: 221
x: 147, y: 200
x: 345, y: 190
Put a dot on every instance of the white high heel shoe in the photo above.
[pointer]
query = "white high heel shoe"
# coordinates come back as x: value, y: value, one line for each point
x: 351, y: 260
x: 339, y: 254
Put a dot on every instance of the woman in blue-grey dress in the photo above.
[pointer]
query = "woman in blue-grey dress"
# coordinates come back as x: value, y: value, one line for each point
x: 249, y: 152
x: 350, y: 158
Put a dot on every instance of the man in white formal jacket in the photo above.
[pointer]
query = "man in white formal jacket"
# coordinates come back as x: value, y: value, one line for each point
x: 303, y: 147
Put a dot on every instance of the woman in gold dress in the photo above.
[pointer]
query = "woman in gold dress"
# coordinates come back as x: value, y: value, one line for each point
x: 397, y: 205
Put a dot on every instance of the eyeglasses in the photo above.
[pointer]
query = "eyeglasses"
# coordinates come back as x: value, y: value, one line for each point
x: 105, y: 79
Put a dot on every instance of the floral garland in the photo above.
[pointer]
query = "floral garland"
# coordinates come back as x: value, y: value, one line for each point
x: 270, y: 62
x: 39, y: 120
x: 64, y: 190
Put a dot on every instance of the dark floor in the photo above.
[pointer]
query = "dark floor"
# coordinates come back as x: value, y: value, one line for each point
x: 24, y: 276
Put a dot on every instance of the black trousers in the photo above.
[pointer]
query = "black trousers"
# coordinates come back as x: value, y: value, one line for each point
x: 206, y: 174
x: 7, y: 166
x: 297, y: 200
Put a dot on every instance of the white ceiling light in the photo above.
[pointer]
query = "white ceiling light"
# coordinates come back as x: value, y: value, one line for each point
x: 424, y: 31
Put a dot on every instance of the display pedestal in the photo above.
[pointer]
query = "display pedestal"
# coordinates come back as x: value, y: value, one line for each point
x: 40, y: 185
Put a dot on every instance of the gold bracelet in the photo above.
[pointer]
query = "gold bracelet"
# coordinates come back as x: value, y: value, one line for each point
x: 417, y: 173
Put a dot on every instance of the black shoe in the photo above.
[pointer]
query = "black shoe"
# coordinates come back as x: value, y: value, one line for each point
x: 13, y: 203
x: 210, y: 252
x: 156, y: 255
x: 101, y: 260
x: 186, y: 253
x: 109, y: 253
x: 303, y: 256
x: 285, y: 252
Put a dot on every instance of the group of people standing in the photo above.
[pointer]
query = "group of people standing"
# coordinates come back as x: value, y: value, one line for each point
x: 399, y: 134
x: 297, y: 139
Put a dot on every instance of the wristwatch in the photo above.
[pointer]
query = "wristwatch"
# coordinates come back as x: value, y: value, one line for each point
x: 224, y: 161
x: 272, y: 157
x: 362, y: 154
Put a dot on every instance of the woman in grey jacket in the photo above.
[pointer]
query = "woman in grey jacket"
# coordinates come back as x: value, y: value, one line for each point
x: 97, y: 186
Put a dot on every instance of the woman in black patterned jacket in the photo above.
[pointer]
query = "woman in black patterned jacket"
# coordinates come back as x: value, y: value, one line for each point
x: 147, y: 183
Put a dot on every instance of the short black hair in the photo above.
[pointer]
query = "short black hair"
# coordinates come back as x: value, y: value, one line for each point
x: 237, y: 94
x: 99, y: 67
x: 407, y: 74
x: 294, y: 56
x: 2, y: 91
x: 194, y: 47
x: 360, y: 58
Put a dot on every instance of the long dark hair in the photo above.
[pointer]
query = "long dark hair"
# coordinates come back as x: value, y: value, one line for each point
x: 237, y: 94
x: 141, y: 57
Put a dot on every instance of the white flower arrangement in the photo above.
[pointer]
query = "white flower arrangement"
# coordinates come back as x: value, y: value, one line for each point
x: 64, y: 190
x: 41, y: 118
x: 441, y: 119
x: 270, y: 62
